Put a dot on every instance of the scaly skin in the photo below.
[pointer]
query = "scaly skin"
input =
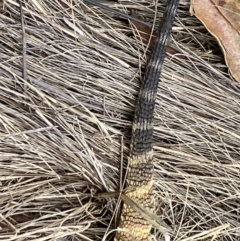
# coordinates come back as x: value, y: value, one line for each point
x: 132, y: 226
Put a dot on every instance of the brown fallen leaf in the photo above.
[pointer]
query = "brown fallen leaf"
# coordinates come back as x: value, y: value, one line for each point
x: 222, y: 20
x: 144, y: 33
x: 64, y: 5
x: 230, y: 9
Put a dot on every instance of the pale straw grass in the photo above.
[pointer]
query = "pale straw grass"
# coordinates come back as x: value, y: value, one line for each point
x: 65, y: 132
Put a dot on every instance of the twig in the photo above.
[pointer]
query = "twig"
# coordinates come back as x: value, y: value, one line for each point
x: 24, y: 62
x: 119, y: 13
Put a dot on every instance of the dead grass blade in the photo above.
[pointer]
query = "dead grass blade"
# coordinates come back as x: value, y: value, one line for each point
x: 61, y: 132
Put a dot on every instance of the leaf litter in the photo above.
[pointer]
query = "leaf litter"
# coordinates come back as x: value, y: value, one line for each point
x: 65, y: 131
x: 221, y: 18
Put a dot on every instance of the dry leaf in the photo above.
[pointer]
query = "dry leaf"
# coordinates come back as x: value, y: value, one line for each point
x: 230, y: 9
x: 64, y: 5
x: 143, y: 33
x: 222, y: 20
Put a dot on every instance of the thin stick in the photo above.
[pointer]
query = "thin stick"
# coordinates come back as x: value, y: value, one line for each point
x: 24, y: 61
x: 119, y: 13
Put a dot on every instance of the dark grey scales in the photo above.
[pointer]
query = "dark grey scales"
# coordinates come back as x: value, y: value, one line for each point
x: 132, y: 225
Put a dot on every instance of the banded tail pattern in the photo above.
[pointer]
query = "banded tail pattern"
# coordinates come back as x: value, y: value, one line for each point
x: 132, y: 226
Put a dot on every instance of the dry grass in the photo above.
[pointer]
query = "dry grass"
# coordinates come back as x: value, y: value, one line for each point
x: 65, y: 133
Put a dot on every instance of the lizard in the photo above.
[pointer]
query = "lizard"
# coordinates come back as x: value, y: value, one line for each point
x: 132, y: 225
